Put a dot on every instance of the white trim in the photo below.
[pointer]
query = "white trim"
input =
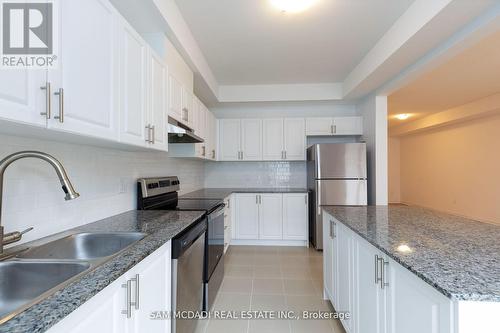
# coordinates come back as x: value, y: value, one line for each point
x: 269, y: 242
x: 280, y: 92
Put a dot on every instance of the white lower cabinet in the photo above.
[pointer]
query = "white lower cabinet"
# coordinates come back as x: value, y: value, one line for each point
x: 270, y: 217
x: 227, y: 222
x: 295, y: 216
x: 246, y: 216
x: 150, y: 289
x: 381, y: 295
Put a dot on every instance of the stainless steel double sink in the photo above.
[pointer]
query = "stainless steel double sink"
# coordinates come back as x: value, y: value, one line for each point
x: 42, y: 270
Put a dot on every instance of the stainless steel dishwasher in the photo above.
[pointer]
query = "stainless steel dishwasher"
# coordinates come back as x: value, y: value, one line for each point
x: 188, y: 251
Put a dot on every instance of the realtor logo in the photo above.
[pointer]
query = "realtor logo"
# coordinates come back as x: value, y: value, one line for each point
x: 28, y: 34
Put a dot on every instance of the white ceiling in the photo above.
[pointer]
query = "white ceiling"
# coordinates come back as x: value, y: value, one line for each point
x: 248, y: 42
x: 471, y: 75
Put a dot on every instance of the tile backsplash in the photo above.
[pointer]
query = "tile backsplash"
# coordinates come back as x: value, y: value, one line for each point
x: 105, y: 179
x: 255, y: 174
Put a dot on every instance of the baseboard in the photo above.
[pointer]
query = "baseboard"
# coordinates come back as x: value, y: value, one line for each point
x: 269, y: 242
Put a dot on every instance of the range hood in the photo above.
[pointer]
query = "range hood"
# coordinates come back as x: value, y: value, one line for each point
x: 179, y: 133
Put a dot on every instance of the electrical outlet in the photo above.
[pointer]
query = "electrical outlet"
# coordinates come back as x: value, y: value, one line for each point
x: 123, y: 185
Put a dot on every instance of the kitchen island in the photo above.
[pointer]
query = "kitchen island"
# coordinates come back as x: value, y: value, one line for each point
x: 453, y: 264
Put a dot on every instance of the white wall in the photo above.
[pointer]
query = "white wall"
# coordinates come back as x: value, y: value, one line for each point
x: 374, y: 111
x: 33, y: 195
x: 284, y: 109
x: 255, y: 174
x: 394, y: 170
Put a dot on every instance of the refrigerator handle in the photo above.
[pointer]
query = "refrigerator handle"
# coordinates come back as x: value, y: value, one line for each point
x: 318, y: 197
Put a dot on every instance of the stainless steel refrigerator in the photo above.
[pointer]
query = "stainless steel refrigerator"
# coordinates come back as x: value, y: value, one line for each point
x: 336, y: 175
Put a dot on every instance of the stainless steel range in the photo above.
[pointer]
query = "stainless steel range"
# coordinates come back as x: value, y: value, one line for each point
x: 162, y: 194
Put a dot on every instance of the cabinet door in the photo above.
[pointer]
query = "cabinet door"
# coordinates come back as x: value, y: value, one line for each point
x: 187, y: 107
x: 246, y: 216
x: 158, y: 102
x: 133, y: 86
x: 213, y: 136
x: 154, y: 291
x: 271, y: 216
x: 295, y: 217
x: 272, y: 139
x: 229, y: 139
x: 344, y: 273
x: 369, y: 300
x: 319, y: 126
x: 412, y: 305
x: 174, y: 98
x: 251, y: 139
x: 21, y: 99
x: 101, y: 313
x: 329, y: 259
x: 201, y: 148
x: 348, y: 126
x: 295, y: 139
x: 88, y: 70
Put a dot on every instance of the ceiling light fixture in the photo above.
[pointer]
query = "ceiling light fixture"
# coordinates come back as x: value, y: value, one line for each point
x: 402, y: 116
x: 293, y: 6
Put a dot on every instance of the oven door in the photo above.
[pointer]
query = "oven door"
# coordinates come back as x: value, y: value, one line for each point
x: 215, y: 240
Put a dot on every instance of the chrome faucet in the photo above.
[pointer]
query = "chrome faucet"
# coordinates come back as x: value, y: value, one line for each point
x: 63, y: 178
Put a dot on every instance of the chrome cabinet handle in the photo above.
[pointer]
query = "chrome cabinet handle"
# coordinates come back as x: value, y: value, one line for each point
x: 153, y: 134
x: 383, y: 265
x: 48, y: 96
x: 137, y: 291
x: 256, y: 199
x: 334, y: 129
x: 285, y: 154
x: 377, y: 260
x: 148, y: 136
x: 331, y: 129
x: 60, y: 93
x: 213, y: 153
x: 332, y: 229
x: 128, y: 298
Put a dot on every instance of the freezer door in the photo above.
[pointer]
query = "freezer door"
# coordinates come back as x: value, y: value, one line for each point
x: 349, y: 192
x: 346, y: 160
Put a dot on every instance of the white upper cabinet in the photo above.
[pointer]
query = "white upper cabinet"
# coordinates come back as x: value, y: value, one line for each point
x: 348, y: 126
x: 295, y: 216
x: 334, y: 126
x: 294, y: 139
x: 212, y: 136
x: 86, y: 84
x: 21, y: 97
x: 270, y: 216
x: 263, y: 139
x: 319, y: 126
x: 251, y: 139
x: 175, y: 98
x: 273, y: 133
x: 187, y: 108
x: 133, y: 86
x: 158, y: 118
x: 229, y: 139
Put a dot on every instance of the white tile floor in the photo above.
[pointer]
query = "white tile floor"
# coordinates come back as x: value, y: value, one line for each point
x: 272, y: 278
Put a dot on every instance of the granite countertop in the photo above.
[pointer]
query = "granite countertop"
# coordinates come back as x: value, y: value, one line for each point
x: 457, y: 256
x: 221, y: 193
x: 160, y: 227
